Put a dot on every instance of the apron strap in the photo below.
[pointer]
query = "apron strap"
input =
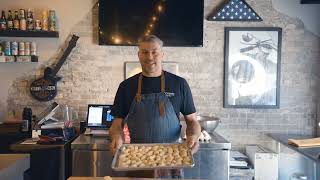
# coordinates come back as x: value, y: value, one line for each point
x: 162, y: 86
x: 162, y: 108
x: 138, y: 95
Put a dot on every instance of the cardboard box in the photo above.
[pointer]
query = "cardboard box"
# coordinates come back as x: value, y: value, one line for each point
x: 264, y: 161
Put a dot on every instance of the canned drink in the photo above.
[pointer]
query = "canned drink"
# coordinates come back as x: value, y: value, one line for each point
x: 14, y: 48
x: 27, y: 48
x: 21, y: 49
x: 7, y: 48
x: 38, y: 25
x: 1, y: 50
x: 33, y: 49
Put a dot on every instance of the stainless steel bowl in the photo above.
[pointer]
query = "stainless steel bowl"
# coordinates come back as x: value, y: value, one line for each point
x: 208, y: 123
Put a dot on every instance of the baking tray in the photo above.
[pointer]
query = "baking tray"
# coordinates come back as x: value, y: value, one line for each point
x: 115, y: 161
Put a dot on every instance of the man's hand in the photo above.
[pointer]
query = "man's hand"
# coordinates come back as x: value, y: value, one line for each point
x: 116, y: 134
x: 193, y: 132
x: 116, y: 143
x: 193, y: 143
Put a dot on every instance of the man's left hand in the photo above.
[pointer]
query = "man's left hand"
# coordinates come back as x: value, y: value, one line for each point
x: 193, y: 143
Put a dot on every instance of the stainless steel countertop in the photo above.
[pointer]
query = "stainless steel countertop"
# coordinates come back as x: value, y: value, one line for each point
x: 310, y: 152
x: 85, y: 142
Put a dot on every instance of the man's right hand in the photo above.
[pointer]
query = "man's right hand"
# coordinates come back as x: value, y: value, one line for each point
x: 116, y: 143
x: 116, y: 134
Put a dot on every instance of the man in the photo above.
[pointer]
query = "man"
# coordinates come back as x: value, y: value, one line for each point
x: 150, y: 103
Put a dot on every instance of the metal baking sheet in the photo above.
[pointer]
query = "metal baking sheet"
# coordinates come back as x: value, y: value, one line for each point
x: 115, y: 161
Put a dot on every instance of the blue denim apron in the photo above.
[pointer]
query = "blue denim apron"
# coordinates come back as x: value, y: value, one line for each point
x: 151, y: 117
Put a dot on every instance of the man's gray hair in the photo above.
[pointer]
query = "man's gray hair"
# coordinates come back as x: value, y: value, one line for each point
x: 151, y: 38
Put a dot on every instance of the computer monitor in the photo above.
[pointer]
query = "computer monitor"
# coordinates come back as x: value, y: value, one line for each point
x: 99, y: 116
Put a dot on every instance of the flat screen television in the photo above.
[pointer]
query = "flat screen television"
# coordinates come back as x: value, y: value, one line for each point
x: 176, y: 22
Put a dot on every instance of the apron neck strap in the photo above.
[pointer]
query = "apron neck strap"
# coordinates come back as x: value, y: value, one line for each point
x: 162, y: 85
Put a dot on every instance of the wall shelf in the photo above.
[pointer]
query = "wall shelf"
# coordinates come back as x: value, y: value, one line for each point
x: 18, y: 59
x: 20, y: 33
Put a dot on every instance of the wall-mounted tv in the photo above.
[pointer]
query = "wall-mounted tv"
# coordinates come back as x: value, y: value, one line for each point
x: 176, y: 22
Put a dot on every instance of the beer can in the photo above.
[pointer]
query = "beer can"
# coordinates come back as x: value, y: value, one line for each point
x: 38, y: 25
x: 7, y: 48
x: 27, y: 48
x: 33, y: 49
x: 21, y: 49
x: 14, y: 48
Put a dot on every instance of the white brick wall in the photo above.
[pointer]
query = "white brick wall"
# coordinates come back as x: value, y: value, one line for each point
x: 92, y: 74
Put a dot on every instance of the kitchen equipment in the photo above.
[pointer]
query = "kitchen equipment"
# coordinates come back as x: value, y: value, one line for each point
x: 265, y: 162
x: 208, y: 123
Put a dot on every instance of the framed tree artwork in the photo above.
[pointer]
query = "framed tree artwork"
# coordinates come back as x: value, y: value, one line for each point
x: 252, y: 67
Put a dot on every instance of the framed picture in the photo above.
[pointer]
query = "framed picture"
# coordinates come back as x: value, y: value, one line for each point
x: 133, y: 67
x: 252, y: 67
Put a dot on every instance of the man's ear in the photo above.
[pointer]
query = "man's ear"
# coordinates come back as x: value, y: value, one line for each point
x: 162, y: 54
x: 138, y: 53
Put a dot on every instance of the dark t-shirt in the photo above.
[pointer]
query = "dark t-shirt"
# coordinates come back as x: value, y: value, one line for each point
x: 176, y: 88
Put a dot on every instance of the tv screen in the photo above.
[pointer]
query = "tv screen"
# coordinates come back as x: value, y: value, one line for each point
x: 176, y: 22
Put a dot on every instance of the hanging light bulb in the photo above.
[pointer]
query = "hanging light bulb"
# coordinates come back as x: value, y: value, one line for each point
x: 160, y: 8
x: 116, y: 39
x: 154, y: 18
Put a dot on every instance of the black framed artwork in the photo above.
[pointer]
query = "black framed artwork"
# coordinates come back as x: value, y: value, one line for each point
x: 252, y: 67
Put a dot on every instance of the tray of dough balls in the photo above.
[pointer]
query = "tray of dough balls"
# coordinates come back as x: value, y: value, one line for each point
x: 132, y: 157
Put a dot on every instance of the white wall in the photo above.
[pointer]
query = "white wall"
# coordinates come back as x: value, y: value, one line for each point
x: 308, y: 13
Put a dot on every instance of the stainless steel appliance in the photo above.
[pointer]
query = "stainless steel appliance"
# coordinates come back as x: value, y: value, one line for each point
x: 92, y: 157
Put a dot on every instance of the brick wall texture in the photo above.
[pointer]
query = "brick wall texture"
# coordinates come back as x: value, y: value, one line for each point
x: 92, y: 74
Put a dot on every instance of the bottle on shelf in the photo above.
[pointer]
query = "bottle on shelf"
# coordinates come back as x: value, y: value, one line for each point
x: 10, y: 20
x: 23, y: 21
x: 3, y: 21
x: 44, y: 20
x: 52, y: 20
x: 16, y: 21
x: 30, y: 24
x: 37, y: 25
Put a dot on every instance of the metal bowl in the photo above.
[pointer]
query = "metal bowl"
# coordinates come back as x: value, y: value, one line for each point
x: 208, y: 123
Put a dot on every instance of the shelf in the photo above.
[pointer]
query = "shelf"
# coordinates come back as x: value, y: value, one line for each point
x: 20, y: 33
x: 18, y: 59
